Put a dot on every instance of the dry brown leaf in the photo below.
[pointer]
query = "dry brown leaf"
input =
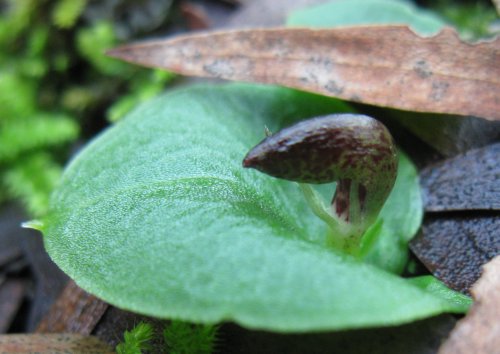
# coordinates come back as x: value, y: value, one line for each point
x: 479, y: 331
x: 52, y: 343
x: 382, y: 65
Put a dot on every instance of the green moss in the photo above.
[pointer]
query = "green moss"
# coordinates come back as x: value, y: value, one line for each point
x: 136, y: 340
x: 185, y: 338
x: 66, y: 12
x: 55, y: 79
x: 178, y: 338
x: 33, y: 192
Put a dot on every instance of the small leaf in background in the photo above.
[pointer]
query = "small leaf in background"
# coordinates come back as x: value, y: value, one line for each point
x: 367, y: 12
x: 479, y: 331
x: 157, y: 216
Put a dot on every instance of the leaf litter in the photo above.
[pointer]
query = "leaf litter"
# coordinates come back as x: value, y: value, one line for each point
x: 479, y: 331
x: 384, y: 65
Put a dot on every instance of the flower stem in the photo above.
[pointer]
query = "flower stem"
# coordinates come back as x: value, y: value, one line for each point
x: 340, y: 235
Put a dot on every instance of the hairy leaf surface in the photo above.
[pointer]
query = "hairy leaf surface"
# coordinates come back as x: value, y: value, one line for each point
x: 157, y: 216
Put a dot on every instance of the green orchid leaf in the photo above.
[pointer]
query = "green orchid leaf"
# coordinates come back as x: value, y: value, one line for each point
x: 158, y: 216
x: 360, y: 12
x: 438, y: 288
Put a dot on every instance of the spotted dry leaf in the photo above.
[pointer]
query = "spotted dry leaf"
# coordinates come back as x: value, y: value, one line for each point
x: 382, y: 65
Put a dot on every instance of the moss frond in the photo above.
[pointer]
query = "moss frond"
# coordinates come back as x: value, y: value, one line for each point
x: 20, y: 136
x: 136, y: 340
x: 31, y: 180
x: 186, y: 338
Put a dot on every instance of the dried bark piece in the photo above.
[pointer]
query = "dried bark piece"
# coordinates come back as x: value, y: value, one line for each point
x: 467, y: 182
x: 479, y: 331
x: 455, y: 247
x: 12, y: 292
x: 76, y: 311
x: 52, y: 343
x: 383, y: 65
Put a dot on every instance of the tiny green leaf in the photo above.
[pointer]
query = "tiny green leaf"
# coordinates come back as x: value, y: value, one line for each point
x: 33, y: 224
x: 437, y: 287
x: 157, y: 216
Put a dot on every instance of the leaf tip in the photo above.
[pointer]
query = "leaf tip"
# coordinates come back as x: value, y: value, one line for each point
x: 33, y: 224
x: 117, y: 52
x: 129, y: 53
x: 139, y: 54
